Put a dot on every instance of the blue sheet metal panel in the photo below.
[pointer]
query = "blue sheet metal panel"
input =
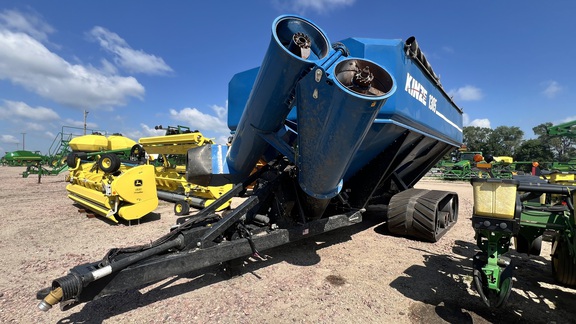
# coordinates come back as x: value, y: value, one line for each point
x: 379, y: 137
x: 239, y: 89
x: 418, y: 102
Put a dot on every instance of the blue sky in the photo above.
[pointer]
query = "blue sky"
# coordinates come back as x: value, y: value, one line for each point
x: 136, y: 64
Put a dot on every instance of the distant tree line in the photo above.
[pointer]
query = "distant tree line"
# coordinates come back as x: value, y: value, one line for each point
x: 509, y: 141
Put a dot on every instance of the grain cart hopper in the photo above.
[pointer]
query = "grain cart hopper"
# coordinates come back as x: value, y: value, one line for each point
x: 353, y: 140
x: 171, y: 183
x: 104, y: 180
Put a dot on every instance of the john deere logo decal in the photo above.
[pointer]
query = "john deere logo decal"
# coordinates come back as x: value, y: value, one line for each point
x: 138, y: 183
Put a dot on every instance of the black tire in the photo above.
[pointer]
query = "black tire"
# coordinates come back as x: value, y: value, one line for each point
x: 563, y: 266
x: 137, y: 153
x: 109, y: 163
x: 421, y: 213
x: 523, y: 246
x: 71, y: 160
x: 181, y: 208
x: 490, y: 297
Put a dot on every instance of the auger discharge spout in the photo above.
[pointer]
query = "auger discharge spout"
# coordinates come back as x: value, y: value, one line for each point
x: 297, y: 45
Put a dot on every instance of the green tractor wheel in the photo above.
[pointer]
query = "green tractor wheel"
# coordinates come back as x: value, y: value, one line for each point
x: 181, y: 208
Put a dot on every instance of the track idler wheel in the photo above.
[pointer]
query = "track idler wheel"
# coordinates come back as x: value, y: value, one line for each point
x: 421, y: 213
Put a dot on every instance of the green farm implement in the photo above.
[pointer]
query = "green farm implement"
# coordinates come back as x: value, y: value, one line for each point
x: 56, y: 161
x: 523, y: 208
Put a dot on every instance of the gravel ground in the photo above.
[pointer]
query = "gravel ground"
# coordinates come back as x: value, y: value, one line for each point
x: 360, y: 274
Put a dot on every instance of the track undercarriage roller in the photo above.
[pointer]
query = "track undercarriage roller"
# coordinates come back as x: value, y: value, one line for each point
x: 421, y: 213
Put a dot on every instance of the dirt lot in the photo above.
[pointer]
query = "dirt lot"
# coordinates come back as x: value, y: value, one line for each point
x: 359, y: 274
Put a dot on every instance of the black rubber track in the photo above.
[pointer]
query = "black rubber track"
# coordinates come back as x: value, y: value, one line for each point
x: 415, y: 212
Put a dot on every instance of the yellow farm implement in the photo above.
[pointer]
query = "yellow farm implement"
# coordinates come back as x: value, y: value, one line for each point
x: 171, y: 180
x: 125, y: 191
x: 99, y: 180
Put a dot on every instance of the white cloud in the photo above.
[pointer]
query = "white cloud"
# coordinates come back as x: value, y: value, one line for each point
x: 466, y: 93
x: 208, y: 125
x: 34, y: 127
x: 199, y: 120
x: 320, y: 6
x: 30, y: 24
x: 448, y: 49
x: 136, y: 61
x: 26, y: 62
x: 552, y: 89
x: 567, y: 119
x: 9, y: 139
x: 152, y: 131
x: 146, y: 131
x: 80, y: 124
x: 20, y: 109
x: 221, y: 112
x: 484, y: 122
x: 108, y: 68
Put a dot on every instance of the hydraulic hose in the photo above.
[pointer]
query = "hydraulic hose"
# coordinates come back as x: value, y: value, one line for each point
x: 71, y: 285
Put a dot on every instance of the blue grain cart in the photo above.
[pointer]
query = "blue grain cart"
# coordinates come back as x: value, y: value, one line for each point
x: 322, y: 133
